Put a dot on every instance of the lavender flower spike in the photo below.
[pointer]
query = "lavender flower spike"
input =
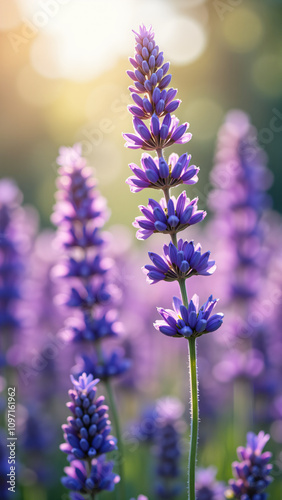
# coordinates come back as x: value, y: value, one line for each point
x: 87, y: 432
x: 191, y: 321
x: 179, y: 262
x: 252, y: 472
x: 169, y: 216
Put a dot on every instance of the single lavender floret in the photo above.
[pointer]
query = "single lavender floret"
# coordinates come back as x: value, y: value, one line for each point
x: 100, y: 478
x: 179, y: 262
x: 158, y: 174
x: 87, y: 433
x: 207, y: 488
x: 168, y: 218
x: 191, y: 321
x: 252, y: 473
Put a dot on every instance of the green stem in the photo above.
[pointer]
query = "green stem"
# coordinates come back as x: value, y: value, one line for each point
x: 119, y: 438
x: 194, y: 418
x: 194, y: 404
x: 193, y: 385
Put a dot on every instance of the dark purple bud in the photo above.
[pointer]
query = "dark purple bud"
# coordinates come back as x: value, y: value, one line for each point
x: 154, y: 80
x: 159, y: 74
x: 172, y: 106
x: 165, y: 81
x: 133, y: 62
x: 145, y: 67
x: 152, y: 62
x: 148, y: 85
x: 165, y: 68
x: 155, y: 125
x: 156, y: 95
x: 145, y: 52
x: 147, y: 105
x: 163, y: 167
x: 160, y: 59
x: 160, y: 107
x: 139, y: 76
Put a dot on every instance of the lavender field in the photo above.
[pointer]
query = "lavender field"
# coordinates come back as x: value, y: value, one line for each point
x: 141, y: 250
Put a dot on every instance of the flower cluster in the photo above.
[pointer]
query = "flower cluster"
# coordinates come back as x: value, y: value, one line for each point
x: 87, y: 436
x: 158, y: 174
x: 168, y: 217
x: 179, y: 262
x: 189, y: 321
x: 252, y: 473
x: 80, y: 212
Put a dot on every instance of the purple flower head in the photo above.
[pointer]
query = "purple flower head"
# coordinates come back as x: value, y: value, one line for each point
x: 77, y: 198
x: 86, y: 328
x: 87, y: 433
x: 168, y: 218
x: 110, y: 365
x: 150, y: 78
x: 160, y: 135
x: 191, y: 321
x: 179, y: 263
x: 158, y: 174
x: 207, y: 488
x: 100, y: 478
x: 252, y: 473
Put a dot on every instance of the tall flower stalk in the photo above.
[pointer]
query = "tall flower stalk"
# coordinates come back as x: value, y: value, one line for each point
x: 154, y: 101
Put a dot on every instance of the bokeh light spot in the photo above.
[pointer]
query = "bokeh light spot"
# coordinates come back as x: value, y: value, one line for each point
x: 183, y: 39
x: 205, y: 116
x: 243, y: 30
x: 267, y: 74
x: 9, y: 15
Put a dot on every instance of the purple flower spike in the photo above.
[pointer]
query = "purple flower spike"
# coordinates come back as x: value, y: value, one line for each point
x: 150, y: 78
x: 179, y: 263
x: 252, y: 473
x: 87, y: 433
x: 160, y: 135
x: 176, y: 216
x: 158, y: 174
x: 191, y: 321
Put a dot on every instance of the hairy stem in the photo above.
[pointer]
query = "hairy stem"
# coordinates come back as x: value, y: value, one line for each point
x: 194, y: 418
x: 194, y: 425
x: 194, y: 404
x: 120, y: 460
